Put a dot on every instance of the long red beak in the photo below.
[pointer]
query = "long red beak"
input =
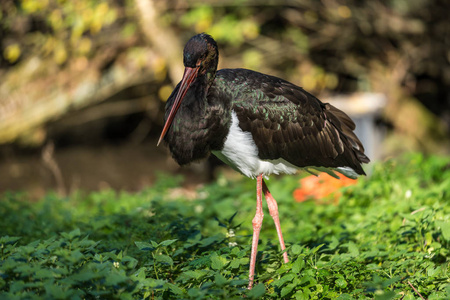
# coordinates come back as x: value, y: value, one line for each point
x: 188, y: 77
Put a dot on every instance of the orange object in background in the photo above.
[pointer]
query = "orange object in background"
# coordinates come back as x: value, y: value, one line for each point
x: 320, y: 187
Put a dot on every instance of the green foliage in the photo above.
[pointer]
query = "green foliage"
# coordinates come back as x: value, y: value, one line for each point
x: 389, y: 233
x: 65, y: 29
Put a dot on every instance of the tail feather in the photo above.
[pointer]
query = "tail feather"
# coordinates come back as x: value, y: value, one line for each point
x: 343, y: 122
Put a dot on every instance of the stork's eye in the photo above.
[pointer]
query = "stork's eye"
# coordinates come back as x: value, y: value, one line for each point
x: 200, y: 63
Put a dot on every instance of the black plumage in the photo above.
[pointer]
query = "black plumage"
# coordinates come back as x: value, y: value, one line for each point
x: 288, y: 122
x: 285, y: 121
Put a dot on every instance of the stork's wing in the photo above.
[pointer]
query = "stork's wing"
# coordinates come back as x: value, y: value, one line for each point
x: 289, y: 123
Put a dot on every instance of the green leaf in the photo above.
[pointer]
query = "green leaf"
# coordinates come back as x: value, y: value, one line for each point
x: 386, y: 296
x: 341, y: 283
x: 75, y: 256
x: 111, y: 255
x: 286, y: 278
x: 212, y: 239
x: 218, y: 262
x: 115, y: 278
x: 43, y: 274
x: 309, y: 279
x: 144, y: 246
x: 73, y: 234
x: 390, y: 281
x: 257, y: 291
x: 167, y: 242
x: 445, y: 228
x: 316, y: 249
x: 298, y: 265
x: 235, y: 263
x: 334, y: 243
x: 130, y: 262
x: 286, y: 290
x: 431, y: 271
x: 230, y: 220
x: 164, y: 259
x: 55, y: 292
x: 219, y: 279
x: 154, y: 283
x: 345, y: 297
x: 84, y: 275
x: 195, y: 293
x: 140, y: 274
x: 6, y: 240
x: 174, y: 288
x: 296, y: 249
x: 192, y: 274
x: 352, y: 249
x: 238, y: 282
x: 200, y: 262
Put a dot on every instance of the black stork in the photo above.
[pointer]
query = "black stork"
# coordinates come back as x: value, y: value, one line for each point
x: 256, y: 123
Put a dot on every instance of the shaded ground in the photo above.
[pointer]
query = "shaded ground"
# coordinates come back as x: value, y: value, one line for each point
x: 121, y: 167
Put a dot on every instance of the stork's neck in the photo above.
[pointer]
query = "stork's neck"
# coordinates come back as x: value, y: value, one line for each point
x: 209, y: 75
x: 195, y: 99
x: 201, y: 124
x: 197, y: 93
x: 211, y: 71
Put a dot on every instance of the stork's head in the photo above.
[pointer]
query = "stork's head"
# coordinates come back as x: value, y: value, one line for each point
x: 200, y: 58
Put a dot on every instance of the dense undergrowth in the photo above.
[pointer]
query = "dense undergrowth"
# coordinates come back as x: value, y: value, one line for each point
x: 387, y: 238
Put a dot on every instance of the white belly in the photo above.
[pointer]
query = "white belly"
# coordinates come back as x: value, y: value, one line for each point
x: 240, y: 152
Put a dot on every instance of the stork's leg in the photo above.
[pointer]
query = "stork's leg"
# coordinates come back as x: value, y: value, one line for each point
x: 273, y: 210
x: 257, y: 222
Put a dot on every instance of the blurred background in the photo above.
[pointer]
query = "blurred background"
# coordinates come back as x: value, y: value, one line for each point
x: 83, y: 83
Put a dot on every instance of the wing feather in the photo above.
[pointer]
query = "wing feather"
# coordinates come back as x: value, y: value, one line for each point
x: 289, y: 123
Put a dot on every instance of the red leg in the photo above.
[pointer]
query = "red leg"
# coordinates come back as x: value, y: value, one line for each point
x: 257, y: 222
x: 273, y: 210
